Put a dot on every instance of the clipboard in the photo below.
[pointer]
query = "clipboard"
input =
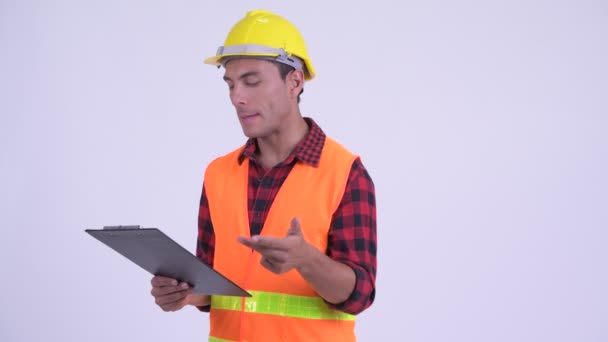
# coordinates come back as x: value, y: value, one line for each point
x: 157, y: 253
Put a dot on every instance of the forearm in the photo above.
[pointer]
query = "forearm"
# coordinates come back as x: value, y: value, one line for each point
x: 332, y: 280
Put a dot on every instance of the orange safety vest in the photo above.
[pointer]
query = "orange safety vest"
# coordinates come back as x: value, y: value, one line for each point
x: 283, y: 307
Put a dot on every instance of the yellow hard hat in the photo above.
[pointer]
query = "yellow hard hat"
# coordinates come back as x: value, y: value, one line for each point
x: 266, y: 35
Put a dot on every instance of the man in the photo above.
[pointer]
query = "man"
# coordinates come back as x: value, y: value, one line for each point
x: 291, y: 215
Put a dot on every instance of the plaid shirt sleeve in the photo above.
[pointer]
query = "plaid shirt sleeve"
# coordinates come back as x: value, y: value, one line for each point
x: 352, y: 238
x: 205, y: 244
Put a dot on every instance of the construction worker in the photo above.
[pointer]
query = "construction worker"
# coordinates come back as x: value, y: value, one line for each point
x: 290, y: 216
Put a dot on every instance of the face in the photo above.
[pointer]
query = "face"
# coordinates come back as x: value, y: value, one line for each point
x: 262, y: 99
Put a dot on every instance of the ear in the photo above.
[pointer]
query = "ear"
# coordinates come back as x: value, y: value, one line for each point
x: 296, y: 82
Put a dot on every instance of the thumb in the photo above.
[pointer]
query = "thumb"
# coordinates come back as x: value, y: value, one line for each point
x: 295, y: 229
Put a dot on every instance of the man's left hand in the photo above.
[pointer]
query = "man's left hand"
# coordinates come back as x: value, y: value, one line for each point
x: 280, y: 255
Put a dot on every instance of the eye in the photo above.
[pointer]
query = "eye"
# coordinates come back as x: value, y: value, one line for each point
x: 252, y: 84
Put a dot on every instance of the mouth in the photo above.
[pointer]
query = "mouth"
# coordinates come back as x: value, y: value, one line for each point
x: 248, y: 116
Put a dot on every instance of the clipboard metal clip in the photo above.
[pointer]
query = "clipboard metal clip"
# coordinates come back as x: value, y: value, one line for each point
x: 120, y: 227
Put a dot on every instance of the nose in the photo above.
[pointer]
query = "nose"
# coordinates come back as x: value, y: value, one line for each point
x: 238, y: 95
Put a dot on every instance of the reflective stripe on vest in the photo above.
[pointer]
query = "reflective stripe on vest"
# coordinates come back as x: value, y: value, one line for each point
x: 281, y: 305
x: 215, y: 339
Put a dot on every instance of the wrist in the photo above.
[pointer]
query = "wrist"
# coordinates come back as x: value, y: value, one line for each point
x: 309, y: 262
x: 198, y: 299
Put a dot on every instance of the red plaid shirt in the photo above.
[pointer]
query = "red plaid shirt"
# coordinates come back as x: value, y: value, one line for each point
x: 352, y: 235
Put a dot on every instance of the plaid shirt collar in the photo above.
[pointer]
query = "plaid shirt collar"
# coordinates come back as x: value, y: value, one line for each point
x: 308, y: 150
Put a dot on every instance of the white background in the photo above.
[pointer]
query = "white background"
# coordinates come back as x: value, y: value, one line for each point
x: 483, y: 124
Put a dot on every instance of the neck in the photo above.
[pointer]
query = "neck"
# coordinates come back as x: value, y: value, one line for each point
x: 277, y: 147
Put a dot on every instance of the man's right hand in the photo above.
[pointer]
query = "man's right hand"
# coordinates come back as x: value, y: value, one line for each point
x: 169, y: 294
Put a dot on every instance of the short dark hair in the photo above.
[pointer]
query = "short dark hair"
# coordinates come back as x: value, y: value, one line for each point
x: 284, y: 69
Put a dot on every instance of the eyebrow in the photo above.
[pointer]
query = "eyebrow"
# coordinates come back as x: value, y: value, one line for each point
x: 247, y: 74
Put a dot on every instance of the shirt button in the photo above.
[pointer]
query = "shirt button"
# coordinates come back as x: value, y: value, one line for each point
x: 258, y: 214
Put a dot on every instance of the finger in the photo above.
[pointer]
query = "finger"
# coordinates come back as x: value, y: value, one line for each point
x: 294, y: 228
x: 276, y: 256
x: 163, y: 281
x: 263, y: 243
x: 247, y: 242
x: 165, y: 290
x: 174, y: 306
x: 274, y: 267
x: 172, y: 298
x: 268, y: 265
x: 269, y: 242
x: 252, y: 244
